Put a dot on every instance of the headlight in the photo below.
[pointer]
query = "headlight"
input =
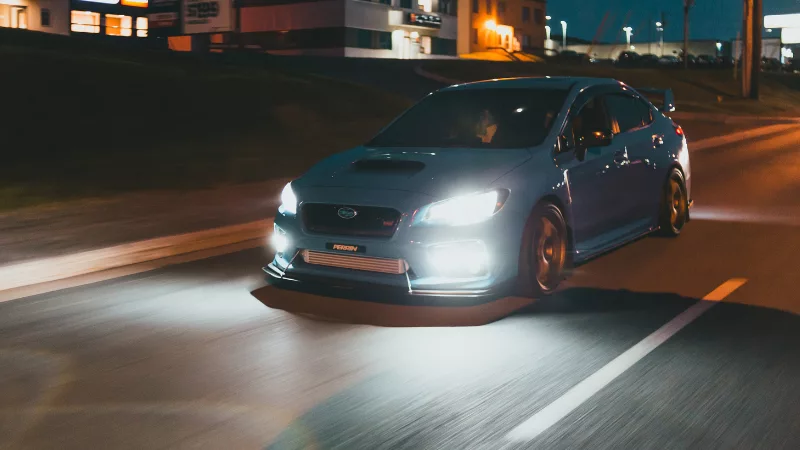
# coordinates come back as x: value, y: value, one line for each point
x: 288, y: 201
x: 463, y: 210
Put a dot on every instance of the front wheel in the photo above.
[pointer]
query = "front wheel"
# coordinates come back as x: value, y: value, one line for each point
x: 543, y: 254
x: 674, y: 205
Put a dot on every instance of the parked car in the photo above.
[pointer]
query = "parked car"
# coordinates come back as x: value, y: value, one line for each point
x: 602, y: 61
x: 648, y: 60
x: 669, y: 60
x: 482, y: 187
x: 706, y: 60
x: 571, y: 56
x: 628, y: 59
x: 771, y: 65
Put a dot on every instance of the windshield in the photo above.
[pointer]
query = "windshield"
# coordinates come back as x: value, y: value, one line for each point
x: 476, y: 118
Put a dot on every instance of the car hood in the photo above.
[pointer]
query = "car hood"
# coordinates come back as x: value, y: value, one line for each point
x: 432, y: 171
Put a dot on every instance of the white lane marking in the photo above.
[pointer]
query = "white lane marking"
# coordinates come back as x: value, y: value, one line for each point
x: 581, y: 392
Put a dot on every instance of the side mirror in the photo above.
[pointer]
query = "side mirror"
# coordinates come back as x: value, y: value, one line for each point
x: 593, y: 139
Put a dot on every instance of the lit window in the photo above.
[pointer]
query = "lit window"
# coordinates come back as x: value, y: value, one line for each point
x: 425, y: 45
x: 135, y: 3
x: 117, y: 25
x: 141, y: 26
x: 13, y: 16
x: 85, y: 22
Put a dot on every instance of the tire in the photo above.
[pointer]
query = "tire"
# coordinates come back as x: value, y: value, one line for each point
x: 674, y: 211
x: 543, y: 255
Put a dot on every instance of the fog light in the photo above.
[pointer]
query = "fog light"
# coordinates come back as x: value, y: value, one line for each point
x: 280, y: 241
x: 460, y: 259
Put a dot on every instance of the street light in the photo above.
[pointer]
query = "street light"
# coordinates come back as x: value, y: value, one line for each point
x: 564, y: 32
x: 628, y: 32
x: 547, y: 17
x: 660, y: 29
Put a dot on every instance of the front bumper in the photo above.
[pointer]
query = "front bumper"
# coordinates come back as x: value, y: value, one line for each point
x: 360, y: 288
x: 433, y: 256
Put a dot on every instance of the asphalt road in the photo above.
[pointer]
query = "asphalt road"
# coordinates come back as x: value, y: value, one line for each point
x: 186, y: 357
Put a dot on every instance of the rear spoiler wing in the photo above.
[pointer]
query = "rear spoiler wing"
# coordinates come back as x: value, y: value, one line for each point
x: 661, y: 98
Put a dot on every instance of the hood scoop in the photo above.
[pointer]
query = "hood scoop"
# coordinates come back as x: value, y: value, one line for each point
x: 388, y: 166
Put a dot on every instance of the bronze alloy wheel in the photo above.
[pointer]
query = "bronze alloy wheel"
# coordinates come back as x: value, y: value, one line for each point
x: 544, y: 252
x: 550, y: 252
x: 675, y: 205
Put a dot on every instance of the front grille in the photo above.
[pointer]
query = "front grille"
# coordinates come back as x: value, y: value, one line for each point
x: 369, y: 221
x: 365, y: 263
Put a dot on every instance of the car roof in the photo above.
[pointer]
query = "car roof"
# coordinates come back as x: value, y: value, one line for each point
x: 534, y: 83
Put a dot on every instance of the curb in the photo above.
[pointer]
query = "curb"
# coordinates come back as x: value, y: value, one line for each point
x: 57, y: 268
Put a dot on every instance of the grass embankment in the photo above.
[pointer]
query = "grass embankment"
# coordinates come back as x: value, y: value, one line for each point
x: 711, y: 90
x: 82, y: 119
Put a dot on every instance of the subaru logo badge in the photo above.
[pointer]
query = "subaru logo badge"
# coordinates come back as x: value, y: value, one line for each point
x: 347, y: 213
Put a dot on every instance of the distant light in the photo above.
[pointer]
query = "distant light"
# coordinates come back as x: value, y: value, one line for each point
x: 719, y: 45
x: 769, y: 30
x: 633, y: 47
x: 547, y: 17
x: 519, y: 110
x: 659, y: 24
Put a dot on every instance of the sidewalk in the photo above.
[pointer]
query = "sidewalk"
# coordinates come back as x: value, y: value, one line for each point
x: 76, y: 226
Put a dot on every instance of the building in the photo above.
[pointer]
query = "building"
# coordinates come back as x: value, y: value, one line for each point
x: 770, y: 48
x: 402, y: 29
x: 112, y: 19
x: 49, y: 16
x: 510, y: 24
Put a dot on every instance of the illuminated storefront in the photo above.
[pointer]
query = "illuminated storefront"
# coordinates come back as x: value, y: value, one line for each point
x: 512, y: 25
x: 49, y: 16
x: 113, y: 18
x: 401, y: 29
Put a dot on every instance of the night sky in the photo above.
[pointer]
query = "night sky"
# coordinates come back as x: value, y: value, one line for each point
x: 710, y: 19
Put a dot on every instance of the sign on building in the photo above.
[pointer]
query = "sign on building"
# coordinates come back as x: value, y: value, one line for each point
x: 163, y: 17
x: 207, y: 16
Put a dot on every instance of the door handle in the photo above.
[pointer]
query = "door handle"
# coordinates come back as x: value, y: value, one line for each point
x: 658, y: 140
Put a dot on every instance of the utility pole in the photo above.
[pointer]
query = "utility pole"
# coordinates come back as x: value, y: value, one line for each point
x: 747, y: 47
x: 758, y: 26
x: 687, y: 5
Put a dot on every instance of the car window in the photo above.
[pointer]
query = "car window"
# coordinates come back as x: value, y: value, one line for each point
x: 628, y: 112
x: 476, y: 118
x: 590, y: 117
